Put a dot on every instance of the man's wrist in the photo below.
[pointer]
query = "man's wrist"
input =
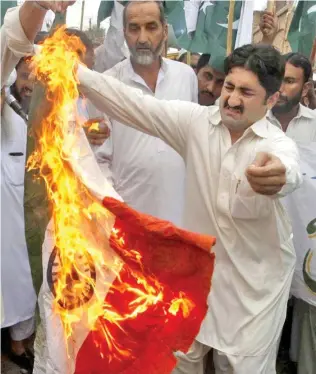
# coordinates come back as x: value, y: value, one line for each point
x: 267, y: 40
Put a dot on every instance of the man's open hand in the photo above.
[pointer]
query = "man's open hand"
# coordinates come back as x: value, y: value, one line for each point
x: 56, y: 6
x: 266, y: 175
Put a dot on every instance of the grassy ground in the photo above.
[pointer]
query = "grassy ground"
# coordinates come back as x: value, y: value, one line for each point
x: 35, y: 256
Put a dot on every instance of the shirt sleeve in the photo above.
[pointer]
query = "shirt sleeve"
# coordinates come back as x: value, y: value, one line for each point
x: 286, y: 150
x: 195, y: 90
x: 14, y: 43
x: 168, y: 120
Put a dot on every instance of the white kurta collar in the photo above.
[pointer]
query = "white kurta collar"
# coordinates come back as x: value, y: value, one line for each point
x: 302, y: 112
x: 138, y: 79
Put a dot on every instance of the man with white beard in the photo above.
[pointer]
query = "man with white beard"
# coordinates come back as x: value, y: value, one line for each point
x: 146, y: 172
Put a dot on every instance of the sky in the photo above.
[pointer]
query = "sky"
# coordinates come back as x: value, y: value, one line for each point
x: 91, y: 12
x: 92, y: 6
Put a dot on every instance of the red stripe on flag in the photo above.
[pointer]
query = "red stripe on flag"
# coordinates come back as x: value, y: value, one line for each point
x: 182, y: 263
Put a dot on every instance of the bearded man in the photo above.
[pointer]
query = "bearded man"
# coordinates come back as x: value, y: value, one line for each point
x: 296, y: 120
x: 146, y: 172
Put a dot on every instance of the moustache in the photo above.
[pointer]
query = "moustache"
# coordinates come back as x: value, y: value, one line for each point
x: 143, y: 46
x: 208, y: 93
x: 240, y: 108
x: 283, y: 98
x: 26, y: 89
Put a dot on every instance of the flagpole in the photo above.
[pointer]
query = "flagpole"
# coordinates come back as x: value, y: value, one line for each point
x: 270, y: 6
x: 229, y: 47
x: 289, y: 16
x: 166, y: 49
x: 82, y: 13
x: 189, y: 58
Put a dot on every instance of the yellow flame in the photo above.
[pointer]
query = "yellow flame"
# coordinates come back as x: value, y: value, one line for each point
x: 76, y: 213
x: 94, y: 127
x: 182, y: 303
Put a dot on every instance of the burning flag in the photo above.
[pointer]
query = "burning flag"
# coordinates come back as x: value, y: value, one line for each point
x: 122, y: 291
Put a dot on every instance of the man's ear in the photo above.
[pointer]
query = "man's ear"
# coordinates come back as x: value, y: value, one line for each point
x: 306, y: 88
x: 273, y: 99
x: 165, y: 31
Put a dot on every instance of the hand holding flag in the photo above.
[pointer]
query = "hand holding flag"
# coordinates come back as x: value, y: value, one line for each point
x: 268, y: 26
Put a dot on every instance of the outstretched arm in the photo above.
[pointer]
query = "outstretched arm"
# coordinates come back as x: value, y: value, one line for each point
x: 169, y: 120
x: 20, y: 27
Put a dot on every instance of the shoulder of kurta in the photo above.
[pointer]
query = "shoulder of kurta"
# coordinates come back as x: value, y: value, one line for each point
x: 273, y: 130
x: 312, y: 113
x: 179, y: 68
x: 16, y: 39
x: 200, y: 116
x: 278, y: 138
x: 213, y: 113
x: 185, y: 78
x: 116, y: 69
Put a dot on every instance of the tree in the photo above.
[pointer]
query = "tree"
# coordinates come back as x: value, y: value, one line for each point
x: 96, y: 34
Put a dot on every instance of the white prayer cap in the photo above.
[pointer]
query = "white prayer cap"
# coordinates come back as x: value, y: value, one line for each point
x: 11, y: 79
x: 182, y: 52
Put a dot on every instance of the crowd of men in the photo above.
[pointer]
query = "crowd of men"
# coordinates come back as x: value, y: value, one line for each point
x: 218, y: 168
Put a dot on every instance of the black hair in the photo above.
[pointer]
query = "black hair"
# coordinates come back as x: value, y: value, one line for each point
x: 183, y: 57
x: 159, y: 4
x: 19, y: 63
x: 263, y: 60
x: 86, y: 41
x: 25, y: 59
x: 300, y: 61
x: 203, y: 61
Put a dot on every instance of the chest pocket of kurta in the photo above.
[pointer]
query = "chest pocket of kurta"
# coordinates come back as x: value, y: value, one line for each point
x: 247, y: 204
x: 13, y: 164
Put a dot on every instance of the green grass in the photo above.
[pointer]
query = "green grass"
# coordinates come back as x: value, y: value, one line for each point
x: 35, y: 256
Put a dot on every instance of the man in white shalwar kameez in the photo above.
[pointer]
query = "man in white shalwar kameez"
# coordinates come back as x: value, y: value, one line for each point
x: 146, y: 172
x: 18, y: 294
x: 238, y: 166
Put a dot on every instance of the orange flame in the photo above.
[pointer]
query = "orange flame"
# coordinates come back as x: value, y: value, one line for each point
x: 80, y: 255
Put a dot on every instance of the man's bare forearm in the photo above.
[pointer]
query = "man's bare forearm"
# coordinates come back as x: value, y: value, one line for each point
x: 31, y: 17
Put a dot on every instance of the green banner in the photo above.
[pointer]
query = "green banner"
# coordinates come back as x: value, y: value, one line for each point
x: 5, y: 5
x: 302, y: 31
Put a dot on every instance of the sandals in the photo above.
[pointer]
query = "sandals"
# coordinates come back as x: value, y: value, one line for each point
x: 25, y: 361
